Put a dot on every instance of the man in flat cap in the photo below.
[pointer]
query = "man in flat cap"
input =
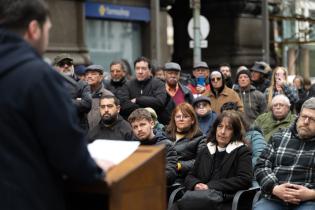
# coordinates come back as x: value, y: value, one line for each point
x: 174, y: 88
x: 285, y: 168
x: 94, y: 77
x: 79, y: 90
x: 199, y: 84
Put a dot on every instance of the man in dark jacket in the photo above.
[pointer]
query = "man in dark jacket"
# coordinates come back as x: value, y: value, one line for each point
x: 112, y: 126
x: 79, y: 90
x: 118, y: 74
x: 225, y: 69
x: 254, y: 101
x: 142, y: 125
x: 41, y: 141
x: 143, y: 91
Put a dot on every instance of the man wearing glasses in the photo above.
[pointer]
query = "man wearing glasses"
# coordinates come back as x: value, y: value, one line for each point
x: 280, y: 116
x: 285, y: 169
x: 79, y: 90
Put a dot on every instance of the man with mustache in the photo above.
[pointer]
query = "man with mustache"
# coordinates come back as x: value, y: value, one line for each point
x: 174, y: 88
x: 112, y: 126
x: 285, y: 169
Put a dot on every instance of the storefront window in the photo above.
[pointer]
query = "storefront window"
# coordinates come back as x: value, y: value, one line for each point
x: 109, y: 40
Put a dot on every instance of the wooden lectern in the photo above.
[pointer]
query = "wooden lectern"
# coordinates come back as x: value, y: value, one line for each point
x: 137, y: 183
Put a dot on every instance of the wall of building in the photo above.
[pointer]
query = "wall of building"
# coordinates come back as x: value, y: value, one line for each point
x: 69, y: 32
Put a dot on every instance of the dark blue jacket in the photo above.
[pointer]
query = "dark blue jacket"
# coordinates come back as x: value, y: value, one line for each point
x: 41, y: 140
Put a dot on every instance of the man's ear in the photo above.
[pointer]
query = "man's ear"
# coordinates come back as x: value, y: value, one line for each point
x: 33, y: 31
x: 118, y: 108
x: 152, y: 123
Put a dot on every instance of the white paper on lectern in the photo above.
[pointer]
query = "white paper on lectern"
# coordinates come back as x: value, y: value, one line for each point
x: 112, y: 150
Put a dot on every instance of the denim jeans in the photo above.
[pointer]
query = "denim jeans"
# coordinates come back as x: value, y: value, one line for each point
x: 264, y: 204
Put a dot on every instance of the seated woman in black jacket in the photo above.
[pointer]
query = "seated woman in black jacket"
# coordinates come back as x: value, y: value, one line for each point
x: 225, y: 164
x: 188, y: 138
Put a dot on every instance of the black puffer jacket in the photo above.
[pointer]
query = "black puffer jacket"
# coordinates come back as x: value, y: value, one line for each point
x: 187, y: 150
x: 148, y: 93
x: 171, y: 155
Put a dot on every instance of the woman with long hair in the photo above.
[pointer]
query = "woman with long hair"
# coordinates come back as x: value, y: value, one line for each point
x: 184, y: 130
x: 280, y: 85
x: 225, y: 165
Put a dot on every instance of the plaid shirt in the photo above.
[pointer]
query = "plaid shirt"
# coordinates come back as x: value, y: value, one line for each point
x: 286, y: 159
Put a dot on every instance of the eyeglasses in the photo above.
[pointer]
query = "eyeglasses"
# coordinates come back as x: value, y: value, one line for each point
x: 216, y: 79
x: 66, y: 62
x: 278, y: 104
x: 200, y: 105
x: 310, y: 119
x: 182, y: 117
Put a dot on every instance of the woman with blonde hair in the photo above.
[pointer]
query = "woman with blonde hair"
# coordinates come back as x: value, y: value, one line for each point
x: 280, y: 85
x: 188, y: 139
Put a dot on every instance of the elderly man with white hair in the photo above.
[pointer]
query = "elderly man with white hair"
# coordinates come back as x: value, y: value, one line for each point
x: 285, y: 169
x: 279, y: 116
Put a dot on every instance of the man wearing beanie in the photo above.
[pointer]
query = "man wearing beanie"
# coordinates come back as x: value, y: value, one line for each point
x: 254, y: 101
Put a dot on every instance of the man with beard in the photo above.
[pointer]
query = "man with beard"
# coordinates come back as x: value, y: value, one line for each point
x: 118, y: 76
x: 226, y: 71
x: 142, y: 125
x: 112, y: 126
x: 79, y: 90
x: 41, y: 141
x: 94, y: 77
x: 285, y: 169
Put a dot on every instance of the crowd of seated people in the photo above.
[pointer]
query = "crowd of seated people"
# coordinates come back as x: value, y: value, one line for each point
x: 215, y: 131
